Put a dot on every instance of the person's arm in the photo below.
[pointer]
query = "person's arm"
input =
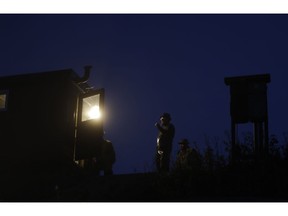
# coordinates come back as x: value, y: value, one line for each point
x: 161, y: 129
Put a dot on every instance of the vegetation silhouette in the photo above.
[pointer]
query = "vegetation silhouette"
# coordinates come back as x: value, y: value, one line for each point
x: 213, y: 178
x: 217, y: 179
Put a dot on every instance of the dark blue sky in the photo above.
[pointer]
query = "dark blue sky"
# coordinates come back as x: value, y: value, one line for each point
x: 151, y: 64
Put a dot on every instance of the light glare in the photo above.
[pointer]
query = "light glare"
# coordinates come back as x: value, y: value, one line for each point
x: 94, y: 112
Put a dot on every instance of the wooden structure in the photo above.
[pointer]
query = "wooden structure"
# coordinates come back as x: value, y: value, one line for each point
x: 49, y: 121
x: 248, y: 103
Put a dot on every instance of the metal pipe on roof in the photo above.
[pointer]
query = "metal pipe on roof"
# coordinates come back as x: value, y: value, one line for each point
x: 85, y: 77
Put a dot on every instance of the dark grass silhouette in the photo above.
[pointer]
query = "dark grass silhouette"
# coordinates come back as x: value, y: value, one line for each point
x: 215, y: 179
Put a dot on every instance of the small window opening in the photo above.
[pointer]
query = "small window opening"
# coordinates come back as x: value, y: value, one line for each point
x: 3, y: 100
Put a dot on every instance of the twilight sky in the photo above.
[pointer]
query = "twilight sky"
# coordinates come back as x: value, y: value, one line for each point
x: 150, y: 64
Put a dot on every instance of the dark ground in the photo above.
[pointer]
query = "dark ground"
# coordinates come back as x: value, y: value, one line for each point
x: 240, y: 184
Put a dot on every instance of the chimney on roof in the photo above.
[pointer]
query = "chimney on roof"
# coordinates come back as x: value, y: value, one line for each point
x: 85, y: 77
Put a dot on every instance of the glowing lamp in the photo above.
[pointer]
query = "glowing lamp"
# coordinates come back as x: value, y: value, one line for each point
x: 94, y: 112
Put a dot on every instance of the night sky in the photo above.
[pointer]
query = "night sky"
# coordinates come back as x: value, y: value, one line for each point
x: 150, y: 64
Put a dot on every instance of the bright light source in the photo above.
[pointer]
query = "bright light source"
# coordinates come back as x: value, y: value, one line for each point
x: 94, y: 112
x: 91, y: 108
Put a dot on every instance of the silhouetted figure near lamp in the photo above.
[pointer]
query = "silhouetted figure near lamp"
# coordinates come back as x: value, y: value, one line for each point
x: 164, y: 142
x: 105, y: 160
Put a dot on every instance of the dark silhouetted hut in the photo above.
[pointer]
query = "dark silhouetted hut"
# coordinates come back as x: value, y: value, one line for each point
x: 248, y: 103
x: 48, y: 121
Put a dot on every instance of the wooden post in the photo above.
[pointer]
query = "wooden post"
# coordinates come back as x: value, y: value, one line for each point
x: 233, y: 142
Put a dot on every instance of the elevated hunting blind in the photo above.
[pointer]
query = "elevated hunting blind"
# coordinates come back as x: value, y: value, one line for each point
x: 248, y: 103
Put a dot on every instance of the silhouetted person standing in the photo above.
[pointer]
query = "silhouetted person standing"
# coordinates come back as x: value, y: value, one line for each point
x: 184, y: 156
x: 106, y: 158
x: 164, y: 142
x: 187, y: 158
x: 103, y: 155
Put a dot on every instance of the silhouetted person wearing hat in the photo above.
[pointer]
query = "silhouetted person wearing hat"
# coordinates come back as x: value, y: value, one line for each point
x: 164, y: 142
x: 187, y: 158
x: 184, y: 156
